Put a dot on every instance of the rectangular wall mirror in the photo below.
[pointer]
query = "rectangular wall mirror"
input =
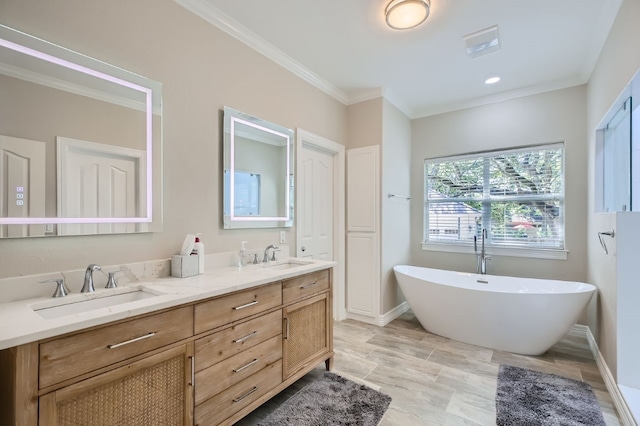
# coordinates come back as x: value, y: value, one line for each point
x: 258, y: 172
x: 80, y: 143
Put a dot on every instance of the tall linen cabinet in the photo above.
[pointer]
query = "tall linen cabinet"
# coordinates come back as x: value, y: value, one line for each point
x: 363, y: 233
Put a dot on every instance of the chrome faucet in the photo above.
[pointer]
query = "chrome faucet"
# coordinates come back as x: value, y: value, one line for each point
x: 265, y: 259
x: 482, y: 256
x: 87, y: 287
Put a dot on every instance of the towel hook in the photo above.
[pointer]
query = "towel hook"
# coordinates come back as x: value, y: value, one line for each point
x: 611, y: 234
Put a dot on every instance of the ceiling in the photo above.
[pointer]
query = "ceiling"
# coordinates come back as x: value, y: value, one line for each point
x: 345, y: 48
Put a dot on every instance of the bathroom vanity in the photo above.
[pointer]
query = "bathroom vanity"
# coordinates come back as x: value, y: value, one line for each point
x: 203, y: 353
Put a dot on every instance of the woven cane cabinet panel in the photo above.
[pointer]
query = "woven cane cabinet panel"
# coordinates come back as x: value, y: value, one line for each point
x: 307, y: 333
x: 153, y: 391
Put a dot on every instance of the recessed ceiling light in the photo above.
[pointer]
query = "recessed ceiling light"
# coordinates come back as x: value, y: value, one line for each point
x: 492, y: 80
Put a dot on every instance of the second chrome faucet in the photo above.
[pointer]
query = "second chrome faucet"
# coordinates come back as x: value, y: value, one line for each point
x: 87, y: 286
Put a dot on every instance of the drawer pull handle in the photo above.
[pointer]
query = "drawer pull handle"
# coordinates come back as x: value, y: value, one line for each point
x: 240, y: 398
x: 242, y: 339
x: 237, y: 370
x: 246, y: 305
x: 286, y: 328
x: 306, y: 286
x: 193, y: 371
x: 146, y: 336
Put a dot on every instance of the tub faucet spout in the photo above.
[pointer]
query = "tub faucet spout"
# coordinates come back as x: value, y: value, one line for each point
x: 481, y: 256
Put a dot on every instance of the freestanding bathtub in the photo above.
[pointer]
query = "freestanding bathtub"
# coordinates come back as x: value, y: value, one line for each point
x: 520, y: 315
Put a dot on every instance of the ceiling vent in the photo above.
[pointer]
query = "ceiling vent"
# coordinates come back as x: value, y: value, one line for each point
x: 482, y: 42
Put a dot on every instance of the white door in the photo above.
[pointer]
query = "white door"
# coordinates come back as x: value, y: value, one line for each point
x: 22, y: 184
x: 320, y: 207
x: 315, y: 205
x: 98, y: 180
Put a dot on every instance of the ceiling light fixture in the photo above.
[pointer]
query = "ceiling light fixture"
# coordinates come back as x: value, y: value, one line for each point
x: 492, y: 80
x: 406, y: 14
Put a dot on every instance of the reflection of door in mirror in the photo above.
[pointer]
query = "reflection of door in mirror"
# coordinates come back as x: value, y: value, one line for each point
x: 98, y: 180
x: 22, y: 184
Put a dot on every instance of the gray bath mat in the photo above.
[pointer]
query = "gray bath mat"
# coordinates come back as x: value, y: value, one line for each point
x: 527, y: 398
x: 331, y: 400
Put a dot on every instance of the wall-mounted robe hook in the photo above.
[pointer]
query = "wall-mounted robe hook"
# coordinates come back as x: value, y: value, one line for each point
x: 611, y: 234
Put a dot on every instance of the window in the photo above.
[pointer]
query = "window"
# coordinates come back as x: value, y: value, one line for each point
x: 517, y: 195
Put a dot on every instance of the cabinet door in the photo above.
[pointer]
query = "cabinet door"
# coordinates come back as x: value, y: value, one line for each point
x: 363, y: 194
x: 307, y: 333
x: 152, y: 391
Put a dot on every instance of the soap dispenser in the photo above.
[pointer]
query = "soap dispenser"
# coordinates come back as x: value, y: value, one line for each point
x: 242, y: 255
x: 198, y: 249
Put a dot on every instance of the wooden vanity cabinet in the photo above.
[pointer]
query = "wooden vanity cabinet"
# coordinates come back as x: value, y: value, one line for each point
x: 205, y: 363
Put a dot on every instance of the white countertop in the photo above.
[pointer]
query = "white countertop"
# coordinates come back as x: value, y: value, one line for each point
x: 20, y: 324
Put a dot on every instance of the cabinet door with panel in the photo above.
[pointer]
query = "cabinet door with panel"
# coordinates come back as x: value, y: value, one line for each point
x: 151, y: 391
x: 307, y: 336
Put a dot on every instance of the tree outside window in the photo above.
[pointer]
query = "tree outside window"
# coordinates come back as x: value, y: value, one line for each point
x: 517, y: 195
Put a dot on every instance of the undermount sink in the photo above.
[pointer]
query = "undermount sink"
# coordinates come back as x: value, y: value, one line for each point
x: 85, y: 305
x: 287, y: 264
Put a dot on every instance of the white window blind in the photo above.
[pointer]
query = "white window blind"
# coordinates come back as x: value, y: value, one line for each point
x: 517, y: 195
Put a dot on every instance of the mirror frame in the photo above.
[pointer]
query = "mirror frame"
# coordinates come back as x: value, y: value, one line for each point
x: 231, y: 117
x: 24, y: 43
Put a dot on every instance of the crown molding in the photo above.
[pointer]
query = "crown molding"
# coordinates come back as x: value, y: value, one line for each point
x: 501, y: 97
x: 213, y: 15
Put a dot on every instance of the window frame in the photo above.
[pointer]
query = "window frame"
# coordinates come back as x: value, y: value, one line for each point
x: 516, y: 250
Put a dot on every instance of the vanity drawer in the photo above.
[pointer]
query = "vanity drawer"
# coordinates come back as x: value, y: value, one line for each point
x: 77, y: 354
x: 227, y: 309
x: 305, y: 285
x: 231, y: 341
x: 228, y: 402
x: 227, y: 373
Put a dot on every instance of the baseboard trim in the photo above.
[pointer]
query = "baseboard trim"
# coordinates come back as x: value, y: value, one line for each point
x: 394, y: 313
x: 609, y: 381
x: 380, y: 320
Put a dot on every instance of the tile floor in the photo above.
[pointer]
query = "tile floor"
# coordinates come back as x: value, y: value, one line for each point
x: 437, y: 381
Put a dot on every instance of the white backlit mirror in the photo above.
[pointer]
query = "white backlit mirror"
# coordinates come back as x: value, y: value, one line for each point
x: 258, y: 172
x: 80, y: 143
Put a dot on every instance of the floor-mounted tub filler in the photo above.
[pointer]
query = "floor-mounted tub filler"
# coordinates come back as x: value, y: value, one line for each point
x: 520, y: 315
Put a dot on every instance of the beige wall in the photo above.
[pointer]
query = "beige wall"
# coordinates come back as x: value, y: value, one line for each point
x: 364, y: 126
x: 557, y: 116
x: 618, y: 62
x: 202, y: 70
x: 396, y: 212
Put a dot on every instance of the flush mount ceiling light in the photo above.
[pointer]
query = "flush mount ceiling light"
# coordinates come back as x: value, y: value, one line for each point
x: 492, y: 80
x: 406, y: 14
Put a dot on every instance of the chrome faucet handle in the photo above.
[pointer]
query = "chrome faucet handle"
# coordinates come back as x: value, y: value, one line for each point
x: 111, y: 281
x: 61, y: 288
x: 255, y: 259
